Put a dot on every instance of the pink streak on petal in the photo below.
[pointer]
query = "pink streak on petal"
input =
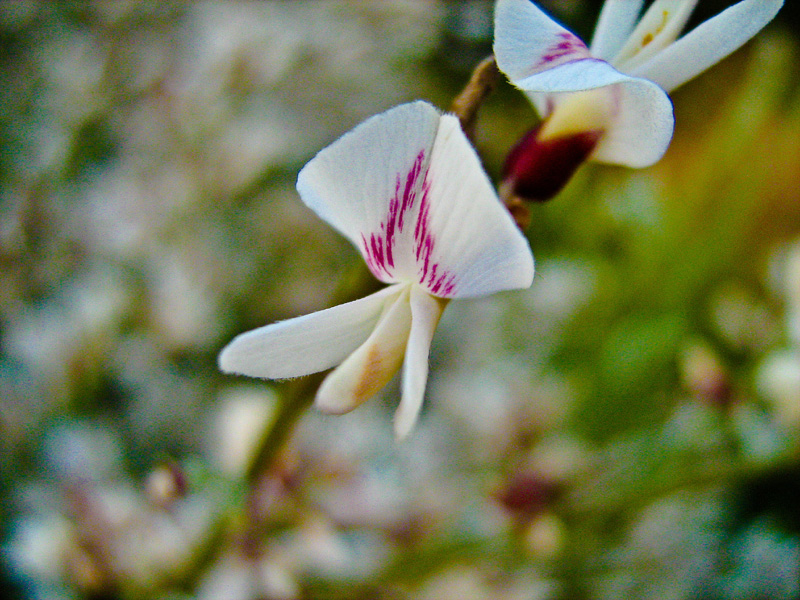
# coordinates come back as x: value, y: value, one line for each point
x: 567, y: 45
x: 373, y: 252
x: 409, y: 193
x: 369, y: 257
x: 432, y: 274
x: 437, y: 281
x: 379, y: 246
x: 410, y: 189
x: 421, y: 228
x: 377, y: 250
x: 442, y: 285
x: 449, y: 286
x: 391, y: 220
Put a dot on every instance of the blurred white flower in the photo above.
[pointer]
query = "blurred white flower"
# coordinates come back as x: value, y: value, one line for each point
x: 82, y: 451
x: 778, y: 381
x: 242, y: 416
x: 38, y: 546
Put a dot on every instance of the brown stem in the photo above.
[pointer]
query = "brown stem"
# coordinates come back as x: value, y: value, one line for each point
x: 517, y: 206
x: 478, y: 88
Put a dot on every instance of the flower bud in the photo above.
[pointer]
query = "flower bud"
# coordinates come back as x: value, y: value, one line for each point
x: 527, y: 494
x: 537, y: 169
x: 166, y: 484
x: 704, y: 375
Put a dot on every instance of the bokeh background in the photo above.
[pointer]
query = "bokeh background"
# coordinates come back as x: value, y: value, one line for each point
x: 627, y: 428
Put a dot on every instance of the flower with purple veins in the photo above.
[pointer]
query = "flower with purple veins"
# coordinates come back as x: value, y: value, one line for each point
x: 407, y: 189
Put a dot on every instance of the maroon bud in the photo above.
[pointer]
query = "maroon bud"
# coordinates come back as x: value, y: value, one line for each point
x: 537, y: 170
x: 705, y: 376
x: 166, y: 484
x: 527, y: 494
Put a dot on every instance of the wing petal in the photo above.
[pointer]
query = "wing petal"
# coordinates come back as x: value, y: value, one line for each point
x: 636, y: 114
x: 367, y: 370
x: 306, y: 344
x: 642, y: 127
x: 574, y: 76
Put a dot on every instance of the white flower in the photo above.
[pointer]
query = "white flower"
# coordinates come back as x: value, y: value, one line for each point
x: 407, y: 189
x: 618, y: 86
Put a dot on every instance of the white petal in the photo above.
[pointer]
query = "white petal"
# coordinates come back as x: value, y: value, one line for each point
x: 614, y: 26
x: 425, y: 313
x: 660, y: 26
x: 639, y: 125
x: 642, y: 128
x: 306, y: 344
x: 362, y: 183
x: 574, y: 76
x: 528, y: 41
x: 466, y: 243
x: 367, y: 370
x: 709, y: 43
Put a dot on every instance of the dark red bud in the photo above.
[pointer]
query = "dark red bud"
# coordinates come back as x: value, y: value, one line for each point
x: 527, y: 494
x: 704, y: 374
x: 537, y: 170
x: 166, y: 484
x: 716, y: 392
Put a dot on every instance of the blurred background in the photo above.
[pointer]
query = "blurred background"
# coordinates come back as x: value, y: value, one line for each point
x: 628, y: 427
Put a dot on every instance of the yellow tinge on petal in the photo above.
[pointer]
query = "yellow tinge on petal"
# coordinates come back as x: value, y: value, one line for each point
x: 367, y: 370
x: 659, y: 27
x: 580, y: 112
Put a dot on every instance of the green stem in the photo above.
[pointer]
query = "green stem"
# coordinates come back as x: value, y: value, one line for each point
x: 297, y: 397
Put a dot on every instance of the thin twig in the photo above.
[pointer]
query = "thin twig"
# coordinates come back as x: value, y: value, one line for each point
x: 296, y: 399
x: 478, y: 88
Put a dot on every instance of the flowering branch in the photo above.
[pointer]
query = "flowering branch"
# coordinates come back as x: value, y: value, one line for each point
x: 502, y: 261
